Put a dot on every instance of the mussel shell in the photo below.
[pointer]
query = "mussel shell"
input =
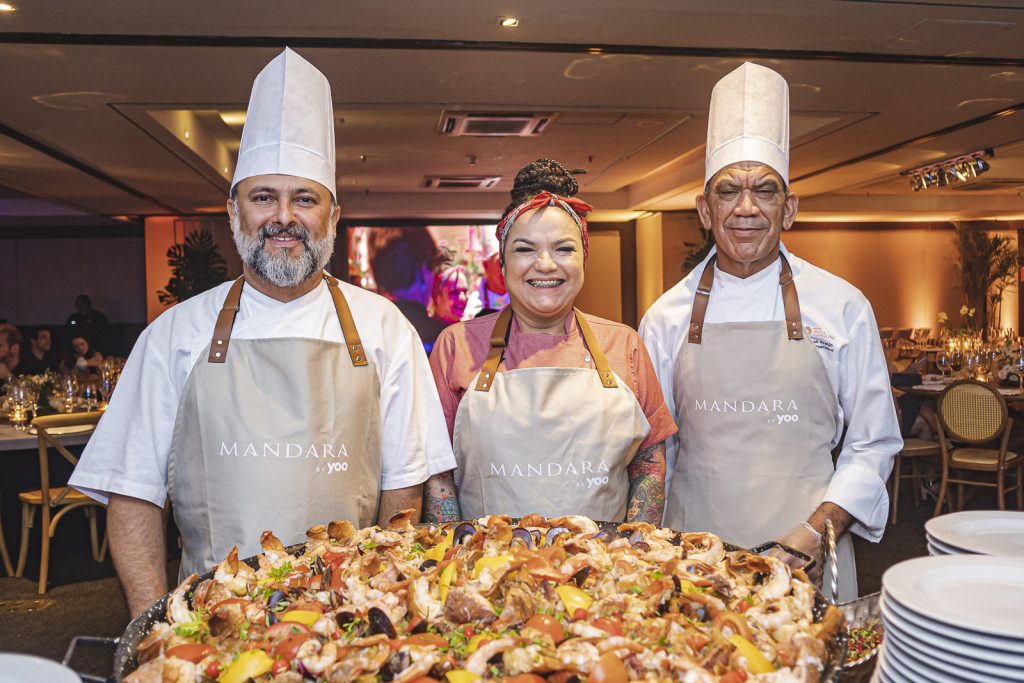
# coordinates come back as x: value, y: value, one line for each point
x: 642, y: 546
x: 581, y: 576
x: 462, y: 532
x: 636, y: 537
x: 604, y: 535
x: 344, y: 618
x: 275, y: 598
x: 428, y: 564
x: 523, y: 536
x: 380, y: 622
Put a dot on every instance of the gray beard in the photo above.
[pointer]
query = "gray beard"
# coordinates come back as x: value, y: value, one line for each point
x: 282, y: 270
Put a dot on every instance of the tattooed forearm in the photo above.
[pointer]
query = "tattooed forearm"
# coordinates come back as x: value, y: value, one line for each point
x: 647, y: 485
x: 439, y: 501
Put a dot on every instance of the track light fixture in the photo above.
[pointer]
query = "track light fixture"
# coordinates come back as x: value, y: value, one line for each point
x: 959, y: 169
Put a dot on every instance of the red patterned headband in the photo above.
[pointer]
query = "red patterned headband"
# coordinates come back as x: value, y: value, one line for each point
x: 576, y: 208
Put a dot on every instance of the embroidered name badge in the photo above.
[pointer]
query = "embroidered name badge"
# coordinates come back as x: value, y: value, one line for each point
x: 821, y: 339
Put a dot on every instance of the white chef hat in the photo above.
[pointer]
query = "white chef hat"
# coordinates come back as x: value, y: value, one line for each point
x: 749, y: 121
x: 289, y: 128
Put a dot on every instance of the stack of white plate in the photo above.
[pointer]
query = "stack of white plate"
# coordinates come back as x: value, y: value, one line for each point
x: 978, y: 532
x: 953, y: 619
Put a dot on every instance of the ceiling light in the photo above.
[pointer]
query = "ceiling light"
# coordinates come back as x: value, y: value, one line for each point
x: 7, y: 7
x: 508, y: 22
x: 958, y: 169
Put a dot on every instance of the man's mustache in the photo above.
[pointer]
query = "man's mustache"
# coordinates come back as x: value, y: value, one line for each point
x: 294, y: 231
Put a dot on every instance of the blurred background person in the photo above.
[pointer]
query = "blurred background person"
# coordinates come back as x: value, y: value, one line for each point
x: 83, y: 360
x: 450, y: 294
x: 85, y: 315
x: 38, y: 357
x: 10, y: 351
x: 403, y: 268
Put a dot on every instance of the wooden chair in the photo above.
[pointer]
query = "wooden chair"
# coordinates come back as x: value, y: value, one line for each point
x: 8, y: 567
x: 61, y: 499
x: 974, y: 413
x: 913, y: 452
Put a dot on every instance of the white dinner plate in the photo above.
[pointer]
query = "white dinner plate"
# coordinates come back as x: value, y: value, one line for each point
x: 901, y: 668
x: 937, y: 551
x: 950, y: 654
x: 975, y: 592
x: 19, y: 668
x: 60, y: 431
x: 917, y: 668
x: 950, y: 549
x: 954, y: 637
x: 987, y: 532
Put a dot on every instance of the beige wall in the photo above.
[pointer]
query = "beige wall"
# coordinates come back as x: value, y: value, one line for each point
x: 906, y: 273
x: 602, y: 284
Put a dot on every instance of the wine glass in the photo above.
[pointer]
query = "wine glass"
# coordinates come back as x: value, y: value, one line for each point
x: 90, y: 395
x: 942, y: 363
x: 69, y: 392
x: 956, y: 360
x: 983, y: 361
x: 107, y: 384
x: 971, y: 365
x: 17, y: 401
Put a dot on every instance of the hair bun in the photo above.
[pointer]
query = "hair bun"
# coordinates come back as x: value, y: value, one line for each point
x: 543, y: 175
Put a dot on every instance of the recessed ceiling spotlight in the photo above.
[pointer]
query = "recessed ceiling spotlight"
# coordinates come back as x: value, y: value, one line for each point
x: 7, y: 7
x: 186, y: 133
x: 508, y: 22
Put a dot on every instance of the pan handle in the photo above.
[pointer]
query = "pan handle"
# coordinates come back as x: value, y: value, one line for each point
x: 88, y: 640
x: 832, y: 558
x: 768, y: 545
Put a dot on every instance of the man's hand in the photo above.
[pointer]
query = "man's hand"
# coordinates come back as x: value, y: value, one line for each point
x: 440, y: 503
x: 394, y: 501
x: 801, y: 538
x: 136, y: 531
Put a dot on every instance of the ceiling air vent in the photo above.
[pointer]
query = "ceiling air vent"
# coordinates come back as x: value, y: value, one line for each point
x: 460, y: 182
x: 493, y: 124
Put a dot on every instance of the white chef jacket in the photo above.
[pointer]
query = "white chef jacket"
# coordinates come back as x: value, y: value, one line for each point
x: 128, y: 452
x: 839, y: 321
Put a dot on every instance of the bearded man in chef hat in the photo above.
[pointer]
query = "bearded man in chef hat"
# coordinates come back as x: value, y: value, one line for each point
x: 765, y: 359
x: 275, y: 402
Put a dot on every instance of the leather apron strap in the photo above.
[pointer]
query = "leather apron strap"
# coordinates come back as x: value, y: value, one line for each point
x: 499, y: 341
x: 790, y: 301
x: 226, y: 321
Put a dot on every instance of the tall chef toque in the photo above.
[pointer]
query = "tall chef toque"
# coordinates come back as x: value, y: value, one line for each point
x: 289, y: 127
x: 749, y: 121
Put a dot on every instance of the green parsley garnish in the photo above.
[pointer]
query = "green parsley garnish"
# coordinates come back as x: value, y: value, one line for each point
x: 190, y: 629
x: 636, y: 590
x: 278, y: 574
x: 656, y: 574
x: 243, y: 632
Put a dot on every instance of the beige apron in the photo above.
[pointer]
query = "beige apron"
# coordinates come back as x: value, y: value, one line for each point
x: 757, y: 419
x: 552, y: 441
x: 284, y: 435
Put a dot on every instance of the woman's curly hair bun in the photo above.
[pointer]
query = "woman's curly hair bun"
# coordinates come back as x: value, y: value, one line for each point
x: 543, y: 175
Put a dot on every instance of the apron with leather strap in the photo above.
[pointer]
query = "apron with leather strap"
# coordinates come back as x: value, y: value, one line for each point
x: 279, y: 435
x: 551, y: 441
x: 757, y: 418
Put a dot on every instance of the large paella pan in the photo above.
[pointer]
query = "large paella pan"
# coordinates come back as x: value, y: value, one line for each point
x: 528, y: 600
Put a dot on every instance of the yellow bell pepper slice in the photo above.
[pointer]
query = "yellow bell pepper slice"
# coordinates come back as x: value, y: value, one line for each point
x: 306, y: 617
x: 476, y: 641
x: 444, y: 582
x: 757, y: 662
x: 492, y: 562
x: 436, y: 553
x: 573, y: 599
x: 462, y: 676
x: 250, y: 664
x: 687, y: 586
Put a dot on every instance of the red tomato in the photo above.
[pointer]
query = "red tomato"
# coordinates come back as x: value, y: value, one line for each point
x: 426, y: 640
x: 286, y: 628
x: 608, y: 625
x: 609, y: 669
x: 334, y: 558
x: 743, y: 606
x: 257, y: 645
x: 580, y: 614
x: 468, y: 630
x: 288, y: 647
x: 737, y: 676
x: 280, y: 666
x: 192, y: 652
x: 524, y: 678
x: 213, y: 670
x: 547, y: 624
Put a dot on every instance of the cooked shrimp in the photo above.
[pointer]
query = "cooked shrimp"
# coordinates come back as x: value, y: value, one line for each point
x: 177, y: 607
x: 578, y: 654
x: 778, y: 582
x: 421, y: 661
x: 703, y: 546
x: 316, y: 657
x: 477, y: 662
x: 234, y: 575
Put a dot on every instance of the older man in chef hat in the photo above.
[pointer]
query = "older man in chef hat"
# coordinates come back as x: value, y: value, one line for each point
x: 278, y: 401
x: 765, y: 359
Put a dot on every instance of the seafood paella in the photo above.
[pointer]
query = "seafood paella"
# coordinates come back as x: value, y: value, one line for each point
x: 527, y: 601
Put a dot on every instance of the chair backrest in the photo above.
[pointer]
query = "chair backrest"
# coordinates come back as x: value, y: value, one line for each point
x: 971, y: 411
x: 46, y: 439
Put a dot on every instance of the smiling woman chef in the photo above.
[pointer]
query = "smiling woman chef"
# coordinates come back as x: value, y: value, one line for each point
x: 551, y: 411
